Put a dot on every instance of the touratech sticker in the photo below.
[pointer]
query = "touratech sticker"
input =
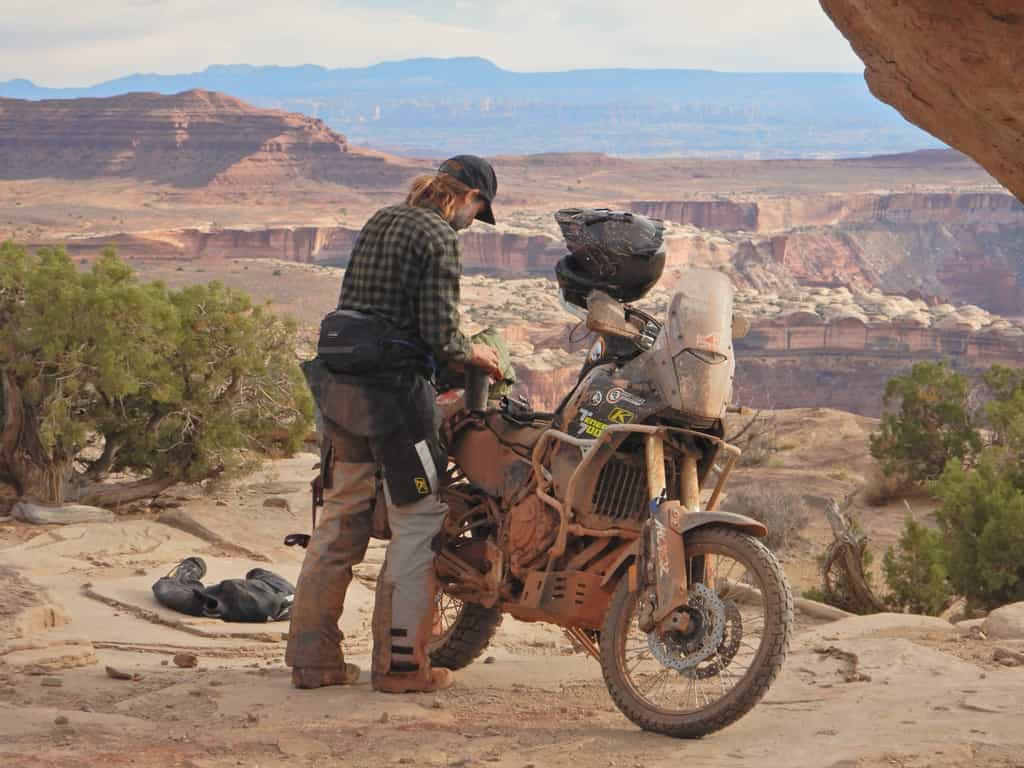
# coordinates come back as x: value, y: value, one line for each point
x: 589, y: 426
x: 422, y: 486
x: 596, y: 399
x: 618, y: 393
x: 596, y: 351
x: 621, y: 416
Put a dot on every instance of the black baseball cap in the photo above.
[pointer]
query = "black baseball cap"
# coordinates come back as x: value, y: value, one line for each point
x: 475, y: 173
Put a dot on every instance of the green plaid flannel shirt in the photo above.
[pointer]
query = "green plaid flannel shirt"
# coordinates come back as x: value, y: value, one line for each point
x: 405, y: 266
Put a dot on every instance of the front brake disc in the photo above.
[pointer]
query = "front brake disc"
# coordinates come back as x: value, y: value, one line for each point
x: 684, y: 654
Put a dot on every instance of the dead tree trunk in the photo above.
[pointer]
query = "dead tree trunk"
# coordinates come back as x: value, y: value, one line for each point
x: 111, y: 495
x: 845, y: 582
x: 24, y: 460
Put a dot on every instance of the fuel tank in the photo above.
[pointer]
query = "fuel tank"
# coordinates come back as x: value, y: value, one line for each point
x: 494, y: 453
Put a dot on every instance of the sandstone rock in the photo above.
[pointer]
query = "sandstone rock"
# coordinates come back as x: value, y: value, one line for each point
x: 1006, y: 623
x: 67, y: 514
x: 277, y: 502
x: 48, y: 654
x: 297, y: 745
x: 186, y: 660
x: 117, y: 674
x: 37, y: 619
x: 1008, y: 658
x: 955, y: 69
x: 883, y: 624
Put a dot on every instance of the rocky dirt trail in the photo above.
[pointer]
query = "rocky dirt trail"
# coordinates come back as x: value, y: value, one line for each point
x: 875, y: 691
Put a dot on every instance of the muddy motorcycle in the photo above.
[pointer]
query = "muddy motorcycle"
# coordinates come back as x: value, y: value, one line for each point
x: 602, y: 518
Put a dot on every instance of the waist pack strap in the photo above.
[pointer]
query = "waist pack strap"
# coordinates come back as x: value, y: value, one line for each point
x: 358, y: 343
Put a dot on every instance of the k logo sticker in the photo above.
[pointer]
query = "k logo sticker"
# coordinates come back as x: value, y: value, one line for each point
x: 422, y: 486
x: 621, y: 416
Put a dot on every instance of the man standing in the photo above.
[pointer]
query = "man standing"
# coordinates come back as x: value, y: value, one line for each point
x: 397, y: 321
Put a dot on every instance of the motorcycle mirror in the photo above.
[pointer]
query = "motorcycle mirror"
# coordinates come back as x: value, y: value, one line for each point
x: 740, y: 326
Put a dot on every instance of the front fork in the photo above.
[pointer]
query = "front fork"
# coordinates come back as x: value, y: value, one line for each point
x: 663, y: 573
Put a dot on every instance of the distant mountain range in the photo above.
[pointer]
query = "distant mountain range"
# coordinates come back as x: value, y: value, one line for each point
x: 438, y: 106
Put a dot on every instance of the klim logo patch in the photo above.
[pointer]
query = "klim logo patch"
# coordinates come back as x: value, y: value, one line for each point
x: 422, y: 486
x: 621, y: 416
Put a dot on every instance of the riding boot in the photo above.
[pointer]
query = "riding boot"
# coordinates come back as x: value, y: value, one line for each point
x: 318, y: 677
x: 401, y: 664
x: 182, y: 589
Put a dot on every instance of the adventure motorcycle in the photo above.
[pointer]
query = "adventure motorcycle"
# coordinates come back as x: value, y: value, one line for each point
x: 602, y: 518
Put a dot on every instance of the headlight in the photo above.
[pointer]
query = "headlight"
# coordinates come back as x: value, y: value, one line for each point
x: 706, y: 356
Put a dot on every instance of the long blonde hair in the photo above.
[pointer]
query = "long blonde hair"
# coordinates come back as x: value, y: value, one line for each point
x: 442, y: 191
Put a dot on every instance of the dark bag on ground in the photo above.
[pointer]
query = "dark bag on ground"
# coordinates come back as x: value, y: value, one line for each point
x: 261, y: 596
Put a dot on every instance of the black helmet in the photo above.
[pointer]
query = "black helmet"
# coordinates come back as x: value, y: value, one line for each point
x: 620, y: 253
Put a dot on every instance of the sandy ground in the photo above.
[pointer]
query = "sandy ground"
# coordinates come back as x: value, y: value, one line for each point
x: 79, y: 596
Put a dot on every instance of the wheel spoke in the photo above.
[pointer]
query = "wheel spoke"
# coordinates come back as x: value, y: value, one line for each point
x: 683, y: 672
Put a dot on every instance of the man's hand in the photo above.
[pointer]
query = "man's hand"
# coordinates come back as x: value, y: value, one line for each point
x: 483, y: 356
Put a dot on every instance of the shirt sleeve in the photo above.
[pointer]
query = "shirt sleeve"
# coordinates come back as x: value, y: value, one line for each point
x: 439, y: 301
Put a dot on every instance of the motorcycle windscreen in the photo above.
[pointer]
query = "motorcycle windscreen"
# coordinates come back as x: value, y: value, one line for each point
x: 697, y: 338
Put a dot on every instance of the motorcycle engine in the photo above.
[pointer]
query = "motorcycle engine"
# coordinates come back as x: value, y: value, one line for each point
x: 529, y: 531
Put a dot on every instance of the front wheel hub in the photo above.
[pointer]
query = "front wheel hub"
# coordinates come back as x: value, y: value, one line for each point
x: 684, y: 650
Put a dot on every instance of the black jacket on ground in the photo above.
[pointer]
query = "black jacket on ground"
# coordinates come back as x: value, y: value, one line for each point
x: 260, y: 596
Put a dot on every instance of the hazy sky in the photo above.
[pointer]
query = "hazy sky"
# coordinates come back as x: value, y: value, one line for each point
x: 81, y: 42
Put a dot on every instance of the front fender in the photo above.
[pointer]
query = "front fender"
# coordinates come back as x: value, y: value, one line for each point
x: 691, y: 522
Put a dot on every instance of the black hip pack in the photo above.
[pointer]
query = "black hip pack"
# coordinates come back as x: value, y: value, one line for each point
x: 357, y: 343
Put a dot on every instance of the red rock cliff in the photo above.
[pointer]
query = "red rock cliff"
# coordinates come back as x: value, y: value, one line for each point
x: 496, y: 251
x: 191, y: 139
x: 956, y: 69
x: 706, y: 214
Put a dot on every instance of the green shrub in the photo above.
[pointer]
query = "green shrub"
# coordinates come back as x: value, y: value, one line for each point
x: 175, y: 386
x: 1004, y: 409
x: 981, y: 521
x: 915, y: 571
x: 978, y: 549
x: 933, y: 424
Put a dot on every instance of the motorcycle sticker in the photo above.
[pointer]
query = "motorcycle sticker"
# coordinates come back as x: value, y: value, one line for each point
x: 596, y: 351
x: 589, y: 426
x: 596, y: 399
x: 615, y: 394
x: 621, y: 416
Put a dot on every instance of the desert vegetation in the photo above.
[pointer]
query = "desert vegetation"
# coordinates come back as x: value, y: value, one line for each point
x: 968, y: 455
x: 113, y: 390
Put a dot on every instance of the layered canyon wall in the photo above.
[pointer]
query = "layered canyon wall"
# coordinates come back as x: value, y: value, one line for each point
x: 846, y: 364
x: 192, y: 139
x: 966, y: 248
x: 493, y: 251
x: 843, y: 364
x: 777, y: 213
